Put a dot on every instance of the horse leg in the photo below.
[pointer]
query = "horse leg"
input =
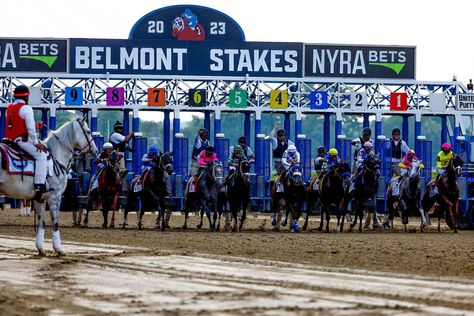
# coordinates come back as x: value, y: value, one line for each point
x: 40, y: 209
x: 245, y: 205
x: 321, y: 223
x: 328, y: 218
x: 54, y: 202
x: 105, y: 214
x: 201, y: 211
x: 163, y: 213
x: 187, y: 205
x: 361, y: 217
x: 125, y: 219
x: 114, y: 208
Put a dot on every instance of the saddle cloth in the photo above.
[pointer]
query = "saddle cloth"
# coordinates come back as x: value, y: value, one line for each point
x: 17, y: 161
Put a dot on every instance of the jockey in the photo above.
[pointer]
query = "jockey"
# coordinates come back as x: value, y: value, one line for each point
x: 205, y: 157
x: 235, y: 159
x: 332, y: 160
x: 279, y: 145
x: 406, y: 162
x: 320, y: 159
x: 201, y: 142
x: 359, y: 142
x: 120, y: 144
x: 246, y: 151
x: 148, y: 159
x: 443, y: 158
x: 290, y: 159
x: 101, y: 161
x: 364, y: 153
x: 398, y: 146
x: 20, y: 128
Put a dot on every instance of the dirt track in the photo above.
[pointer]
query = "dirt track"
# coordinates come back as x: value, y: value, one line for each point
x: 430, y: 253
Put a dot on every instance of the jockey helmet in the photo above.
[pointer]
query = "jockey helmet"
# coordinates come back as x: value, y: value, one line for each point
x: 280, y: 132
x: 410, y: 152
x: 107, y: 145
x: 292, y: 149
x: 366, y: 131
x: 209, y: 150
x: 333, y: 152
x: 203, y: 131
x: 321, y: 150
x: 237, y: 148
x: 242, y: 140
x: 368, y: 145
x: 446, y: 146
x: 21, y: 91
x: 396, y: 131
x: 153, y: 149
x: 118, y: 125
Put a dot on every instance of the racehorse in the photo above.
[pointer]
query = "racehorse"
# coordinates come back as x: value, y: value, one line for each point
x: 293, y: 196
x: 152, y: 192
x: 107, y: 193
x: 332, y: 192
x: 408, y: 197
x: 61, y: 144
x: 203, y: 194
x: 365, y: 190
x: 238, y: 191
x: 447, y: 196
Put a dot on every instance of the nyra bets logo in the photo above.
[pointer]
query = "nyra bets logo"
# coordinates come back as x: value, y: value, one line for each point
x: 33, y: 55
x: 187, y: 28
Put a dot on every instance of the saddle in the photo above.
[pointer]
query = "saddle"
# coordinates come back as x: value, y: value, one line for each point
x: 15, y: 160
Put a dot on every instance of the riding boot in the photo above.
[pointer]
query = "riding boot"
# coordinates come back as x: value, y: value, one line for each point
x: 39, y: 190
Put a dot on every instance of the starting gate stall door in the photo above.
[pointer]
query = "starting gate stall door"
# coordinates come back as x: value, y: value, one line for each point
x: 258, y: 188
x: 222, y: 150
x: 99, y: 142
x: 383, y: 148
x: 424, y: 154
x: 180, y: 164
x: 304, y: 148
x: 344, y: 148
x: 462, y: 149
x: 139, y: 149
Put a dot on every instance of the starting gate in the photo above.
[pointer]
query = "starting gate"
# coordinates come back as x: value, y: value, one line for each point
x: 139, y: 149
x: 222, y: 150
x: 304, y: 148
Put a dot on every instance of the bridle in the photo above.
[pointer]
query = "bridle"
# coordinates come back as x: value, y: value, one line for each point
x: 81, y: 150
x: 162, y: 166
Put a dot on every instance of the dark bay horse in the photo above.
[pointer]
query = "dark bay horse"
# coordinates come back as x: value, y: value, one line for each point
x: 312, y: 199
x: 106, y: 194
x: 293, y: 197
x: 203, y: 194
x: 238, y: 192
x: 332, y: 192
x: 151, y: 190
x: 408, y: 198
x: 447, y: 196
x: 364, y: 195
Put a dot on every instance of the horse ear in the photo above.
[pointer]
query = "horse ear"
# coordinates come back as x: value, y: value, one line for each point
x: 170, y: 154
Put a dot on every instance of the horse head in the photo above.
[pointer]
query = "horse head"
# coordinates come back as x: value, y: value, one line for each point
x: 165, y: 162
x: 415, y: 168
x: 372, y: 164
x: 296, y: 176
x: 216, y: 171
x: 82, y: 137
x: 456, y: 164
x: 244, y: 170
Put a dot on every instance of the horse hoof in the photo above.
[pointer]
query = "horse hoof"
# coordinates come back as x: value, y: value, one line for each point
x: 284, y: 223
x: 199, y: 226
x: 41, y: 253
x: 319, y: 229
x: 140, y: 226
x: 60, y: 253
x: 274, y: 222
x: 124, y: 226
x: 112, y: 225
x: 184, y: 227
x: 163, y: 228
x: 167, y: 226
x: 104, y: 225
x: 327, y: 229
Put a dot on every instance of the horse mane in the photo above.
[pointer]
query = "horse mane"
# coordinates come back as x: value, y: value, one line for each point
x: 65, y: 132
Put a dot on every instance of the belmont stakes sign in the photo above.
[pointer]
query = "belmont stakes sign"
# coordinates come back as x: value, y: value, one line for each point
x: 189, y: 40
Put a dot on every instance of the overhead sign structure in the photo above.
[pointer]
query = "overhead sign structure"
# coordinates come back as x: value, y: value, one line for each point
x: 354, y: 61
x: 33, y: 55
x: 465, y: 102
x: 187, y: 23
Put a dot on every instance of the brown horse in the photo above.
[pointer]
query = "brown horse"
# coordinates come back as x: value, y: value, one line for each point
x: 447, y: 196
x: 106, y: 193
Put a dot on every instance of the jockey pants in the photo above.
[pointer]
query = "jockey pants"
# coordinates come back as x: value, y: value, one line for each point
x: 40, y: 157
x: 122, y: 161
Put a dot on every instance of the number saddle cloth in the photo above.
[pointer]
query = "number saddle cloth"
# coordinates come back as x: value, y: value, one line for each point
x: 17, y: 161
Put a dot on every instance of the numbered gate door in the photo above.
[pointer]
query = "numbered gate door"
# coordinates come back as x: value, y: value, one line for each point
x: 99, y: 142
x: 424, y: 153
x: 384, y: 150
x: 222, y: 151
x: 304, y: 148
x: 180, y: 157
x: 345, y: 150
x: 462, y: 149
x: 139, y: 149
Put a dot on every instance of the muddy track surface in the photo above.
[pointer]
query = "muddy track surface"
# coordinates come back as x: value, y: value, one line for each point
x: 119, y: 280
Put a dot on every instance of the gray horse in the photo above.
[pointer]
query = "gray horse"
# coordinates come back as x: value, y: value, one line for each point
x: 61, y: 144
